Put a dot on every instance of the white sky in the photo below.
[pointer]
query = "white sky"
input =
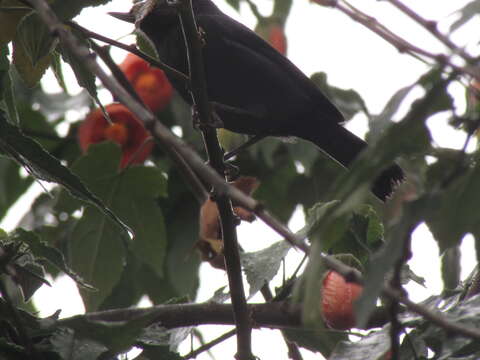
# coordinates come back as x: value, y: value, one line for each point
x: 319, y: 39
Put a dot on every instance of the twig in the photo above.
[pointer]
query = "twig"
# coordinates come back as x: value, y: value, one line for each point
x: 134, y: 50
x: 293, y: 351
x: 431, y: 26
x: 193, y: 354
x: 397, y: 41
x: 215, y: 157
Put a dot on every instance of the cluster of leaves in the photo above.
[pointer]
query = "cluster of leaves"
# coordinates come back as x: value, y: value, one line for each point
x: 83, y: 226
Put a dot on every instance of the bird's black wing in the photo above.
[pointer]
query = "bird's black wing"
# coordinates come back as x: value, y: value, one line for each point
x: 242, y: 43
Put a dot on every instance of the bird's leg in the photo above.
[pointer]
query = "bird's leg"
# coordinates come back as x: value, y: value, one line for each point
x: 214, y: 121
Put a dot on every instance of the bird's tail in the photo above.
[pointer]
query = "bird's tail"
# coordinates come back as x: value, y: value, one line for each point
x: 344, y: 147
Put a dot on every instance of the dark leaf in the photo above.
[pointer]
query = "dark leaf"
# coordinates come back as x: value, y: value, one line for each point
x: 378, y: 123
x: 34, y: 40
x: 30, y: 72
x: 132, y: 194
x: 373, y: 347
x: 11, y: 14
x: 349, y: 102
x: 41, y: 250
x: 261, y: 266
x: 451, y: 268
x: 323, y: 341
x: 70, y: 347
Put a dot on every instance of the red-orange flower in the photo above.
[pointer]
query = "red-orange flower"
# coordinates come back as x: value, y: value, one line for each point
x: 125, y: 129
x: 277, y: 39
x: 337, y: 301
x: 150, y: 83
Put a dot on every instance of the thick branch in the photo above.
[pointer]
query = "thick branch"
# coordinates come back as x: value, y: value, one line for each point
x: 215, y: 157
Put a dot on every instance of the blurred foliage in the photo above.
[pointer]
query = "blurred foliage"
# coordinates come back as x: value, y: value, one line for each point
x: 125, y: 234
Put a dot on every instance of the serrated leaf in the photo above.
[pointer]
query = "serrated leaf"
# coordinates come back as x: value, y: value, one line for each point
x: 43, y: 166
x: 35, y: 39
x: 261, y: 266
x: 132, y: 194
x: 85, y: 78
x: 42, y: 250
x: 30, y: 72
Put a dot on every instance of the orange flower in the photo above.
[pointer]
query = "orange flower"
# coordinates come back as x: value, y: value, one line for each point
x: 150, y: 83
x: 277, y: 39
x: 337, y: 301
x: 126, y: 130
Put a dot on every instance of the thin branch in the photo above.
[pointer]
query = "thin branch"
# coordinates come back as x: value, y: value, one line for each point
x: 293, y: 351
x: 193, y: 354
x: 397, y: 41
x: 133, y: 49
x: 431, y: 26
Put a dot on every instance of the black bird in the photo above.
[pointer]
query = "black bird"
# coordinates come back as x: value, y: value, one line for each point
x: 244, y: 72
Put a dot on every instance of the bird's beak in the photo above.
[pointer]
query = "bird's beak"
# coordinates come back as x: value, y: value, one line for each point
x: 128, y: 17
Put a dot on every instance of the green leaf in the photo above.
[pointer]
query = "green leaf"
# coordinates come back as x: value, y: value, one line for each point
x: 35, y: 41
x: 42, y: 250
x: 378, y: 123
x: 96, y: 244
x: 323, y: 341
x: 234, y: 3
x: 7, y: 97
x: 145, y: 45
x: 116, y: 336
x: 261, y: 266
x: 374, y: 346
x: 349, y: 102
x: 30, y: 72
x: 451, y: 214
x: 466, y: 14
x: 85, y: 78
x: 12, y: 185
x: 56, y: 66
x: 68, y: 346
x: 11, y: 13
x: 451, y: 268
x: 43, y: 166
